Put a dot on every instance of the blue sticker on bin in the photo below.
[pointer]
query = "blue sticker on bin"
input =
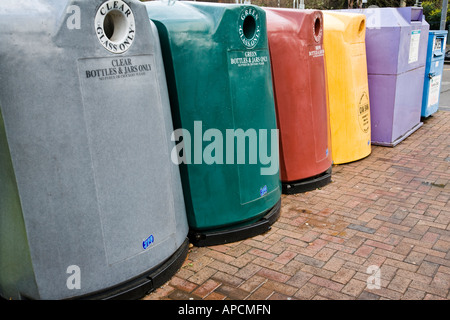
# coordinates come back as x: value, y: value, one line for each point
x: 263, y: 191
x: 147, y: 242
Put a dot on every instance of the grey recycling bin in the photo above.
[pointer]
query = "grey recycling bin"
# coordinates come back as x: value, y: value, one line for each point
x: 91, y: 205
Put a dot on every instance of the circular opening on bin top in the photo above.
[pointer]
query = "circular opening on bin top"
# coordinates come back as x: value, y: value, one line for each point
x: 115, y: 26
x: 317, y: 27
x: 362, y: 25
x: 249, y: 27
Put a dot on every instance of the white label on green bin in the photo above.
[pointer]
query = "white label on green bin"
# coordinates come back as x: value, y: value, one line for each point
x: 433, y: 96
x: 248, y: 58
x: 414, y: 46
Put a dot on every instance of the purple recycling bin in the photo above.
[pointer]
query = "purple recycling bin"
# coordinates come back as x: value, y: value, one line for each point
x: 396, y: 48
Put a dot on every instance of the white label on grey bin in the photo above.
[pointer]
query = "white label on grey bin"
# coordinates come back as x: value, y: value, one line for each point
x: 121, y: 121
x: 110, y: 69
x: 414, y: 46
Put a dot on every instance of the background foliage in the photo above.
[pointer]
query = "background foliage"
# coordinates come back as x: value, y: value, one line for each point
x: 432, y: 11
x: 431, y: 8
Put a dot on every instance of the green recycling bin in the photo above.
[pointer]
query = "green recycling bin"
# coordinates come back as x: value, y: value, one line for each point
x: 217, y: 66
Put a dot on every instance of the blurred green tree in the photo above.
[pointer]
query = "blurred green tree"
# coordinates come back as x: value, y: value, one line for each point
x: 432, y: 11
x: 431, y: 8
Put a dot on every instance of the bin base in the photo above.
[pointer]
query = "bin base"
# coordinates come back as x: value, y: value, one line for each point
x: 400, y: 139
x: 212, y: 238
x: 308, y: 184
x: 145, y: 283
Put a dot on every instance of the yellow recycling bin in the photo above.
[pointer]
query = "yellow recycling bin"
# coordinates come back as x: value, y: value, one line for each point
x: 348, y: 90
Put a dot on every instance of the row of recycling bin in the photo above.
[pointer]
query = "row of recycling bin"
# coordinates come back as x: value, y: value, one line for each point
x: 128, y: 129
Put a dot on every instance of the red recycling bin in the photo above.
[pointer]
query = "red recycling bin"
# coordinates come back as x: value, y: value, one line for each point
x: 299, y: 80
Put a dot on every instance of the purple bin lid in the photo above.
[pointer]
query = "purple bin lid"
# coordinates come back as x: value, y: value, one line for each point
x: 396, y: 39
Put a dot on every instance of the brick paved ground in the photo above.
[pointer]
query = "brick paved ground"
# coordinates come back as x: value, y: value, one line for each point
x: 391, y: 210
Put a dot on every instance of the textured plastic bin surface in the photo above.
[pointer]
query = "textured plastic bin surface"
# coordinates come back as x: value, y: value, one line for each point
x: 298, y: 70
x: 218, y: 71
x: 91, y: 205
x: 396, y: 46
x: 434, y: 66
x: 348, y: 92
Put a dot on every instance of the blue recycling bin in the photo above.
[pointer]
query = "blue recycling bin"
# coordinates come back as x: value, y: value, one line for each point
x: 434, y: 67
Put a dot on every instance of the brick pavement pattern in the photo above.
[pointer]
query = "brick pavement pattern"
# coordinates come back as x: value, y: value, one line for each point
x: 390, y: 210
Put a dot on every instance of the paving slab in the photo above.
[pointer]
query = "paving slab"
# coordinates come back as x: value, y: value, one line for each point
x: 380, y: 230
